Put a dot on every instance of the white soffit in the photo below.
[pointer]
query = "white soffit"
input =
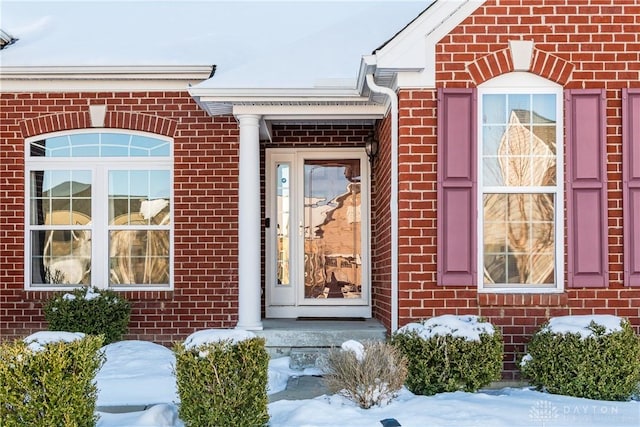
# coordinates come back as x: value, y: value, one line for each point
x: 289, y: 103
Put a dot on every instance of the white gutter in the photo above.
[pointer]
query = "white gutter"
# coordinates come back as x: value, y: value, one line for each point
x: 101, y: 78
x: 393, y: 98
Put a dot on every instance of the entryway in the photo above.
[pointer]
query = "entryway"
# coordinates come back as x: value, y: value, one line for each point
x: 317, y: 233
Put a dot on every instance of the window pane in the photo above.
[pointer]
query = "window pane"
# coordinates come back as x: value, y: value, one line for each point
x: 520, y: 105
x: 283, y: 186
x: 494, y: 109
x: 493, y: 171
x: 61, y: 257
x: 544, y: 106
x: 138, y: 257
x: 115, y: 144
x: 60, y: 197
x: 492, y: 137
x: 58, y: 147
x: 146, y: 146
x: 85, y: 145
x: 519, y: 238
x: 159, y: 184
x: 100, y: 144
x: 525, y: 142
x: 139, y: 197
x: 332, y: 219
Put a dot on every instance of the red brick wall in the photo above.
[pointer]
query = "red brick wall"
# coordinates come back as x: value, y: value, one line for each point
x: 575, y: 44
x: 205, y: 203
x: 205, y: 208
x: 381, y: 226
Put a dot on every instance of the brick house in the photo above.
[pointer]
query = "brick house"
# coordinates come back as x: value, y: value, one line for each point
x: 506, y: 181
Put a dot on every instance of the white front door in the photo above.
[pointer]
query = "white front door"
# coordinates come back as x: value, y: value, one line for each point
x: 317, y: 233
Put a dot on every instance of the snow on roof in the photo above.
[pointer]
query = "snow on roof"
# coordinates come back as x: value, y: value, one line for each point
x: 582, y: 325
x: 253, y: 43
x: 468, y: 327
x: 37, y: 341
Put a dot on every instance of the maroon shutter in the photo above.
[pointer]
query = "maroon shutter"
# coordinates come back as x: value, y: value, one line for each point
x: 587, y: 244
x: 631, y: 184
x: 457, y: 187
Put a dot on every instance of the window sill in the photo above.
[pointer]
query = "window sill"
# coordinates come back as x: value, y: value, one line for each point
x: 522, y: 299
x: 33, y: 295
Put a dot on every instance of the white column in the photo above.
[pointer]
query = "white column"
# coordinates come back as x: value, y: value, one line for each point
x: 249, y: 224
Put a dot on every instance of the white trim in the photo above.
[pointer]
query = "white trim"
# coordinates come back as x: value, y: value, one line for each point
x: 313, y: 112
x: 249, y: 227
x: 223, y: 94
x: 393, y: 199
x: 520, y: 82
x: 411, y: 53
x: 296, y: 305
x: 529, y: 84
x: 99, y: 168
x: 100, y: 78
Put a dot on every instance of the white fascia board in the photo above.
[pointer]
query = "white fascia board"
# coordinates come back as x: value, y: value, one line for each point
x: 272, y: 94
x: 412, y: 52
x: 101, y: 78
x: 313, y: 112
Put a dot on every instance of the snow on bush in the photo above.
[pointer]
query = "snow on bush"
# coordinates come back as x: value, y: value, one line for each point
x: 468, y: 327
x: 450, y: 353
x: 39, y: 340
x: 595, y: 357
x: 221, y: 377
x: 369, y: 374
x: 47, y: 379
x: 89, y: 310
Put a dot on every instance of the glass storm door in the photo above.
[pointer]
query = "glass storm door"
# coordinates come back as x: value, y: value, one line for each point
x: 317, y: 233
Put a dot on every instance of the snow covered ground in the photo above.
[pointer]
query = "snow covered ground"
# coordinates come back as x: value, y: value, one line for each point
x: 138, y: 373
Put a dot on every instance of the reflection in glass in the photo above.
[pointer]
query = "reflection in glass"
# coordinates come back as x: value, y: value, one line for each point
x: 139, y: 220
x: 101, y: 144
x: 60, y: 203
x: 138, y: 257
x: 283, y: 191
x: 139, y: 196
x: 524, y: 146
x: 519, y: 152
x: 519, y: 238
x: 332, y: 223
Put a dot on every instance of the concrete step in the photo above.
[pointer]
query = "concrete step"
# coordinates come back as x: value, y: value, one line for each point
x: 305, y: 340
x: 307, y: 357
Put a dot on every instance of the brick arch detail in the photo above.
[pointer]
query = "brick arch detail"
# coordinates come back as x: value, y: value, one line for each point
x: 544, y: 64
x: 115, y: 120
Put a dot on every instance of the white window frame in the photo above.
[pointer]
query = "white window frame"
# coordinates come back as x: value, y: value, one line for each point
x: 515, y: 83
x: 99, y: 167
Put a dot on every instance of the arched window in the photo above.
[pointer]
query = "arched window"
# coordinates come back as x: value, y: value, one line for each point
x: 520, y: 183
x: 98, y: 210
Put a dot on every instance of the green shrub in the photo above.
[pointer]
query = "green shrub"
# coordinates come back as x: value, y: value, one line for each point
x: 89, y: 310
x: 450, y: 353
x: 604, y: 365
x: 50, y: 387
x: 223, y: 384
x: 370, y: 375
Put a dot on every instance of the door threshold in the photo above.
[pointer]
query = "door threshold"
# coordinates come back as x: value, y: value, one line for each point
x: 331, y: 319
